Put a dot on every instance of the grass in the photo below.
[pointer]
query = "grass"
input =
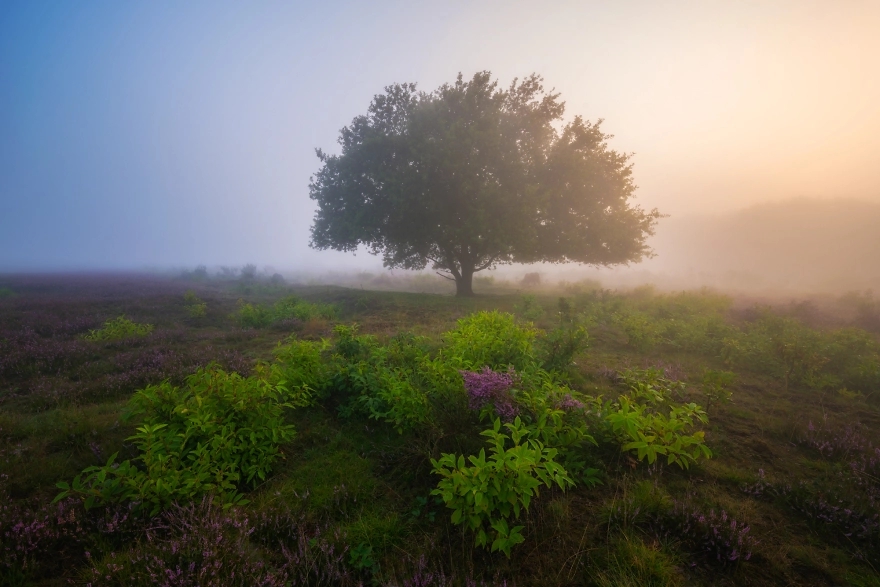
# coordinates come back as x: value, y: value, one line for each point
x: 358, y: 487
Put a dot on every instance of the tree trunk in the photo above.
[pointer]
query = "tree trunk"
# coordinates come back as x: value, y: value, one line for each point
x: 464, y: 285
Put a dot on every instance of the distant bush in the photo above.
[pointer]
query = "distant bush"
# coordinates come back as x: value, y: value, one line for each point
x: 558, y: 347
x: 529, y: 308
x: 195, y: 307
x: 285, y: 309
x: 6, y: 292
x: 531, y: 279
x: 117, y: 328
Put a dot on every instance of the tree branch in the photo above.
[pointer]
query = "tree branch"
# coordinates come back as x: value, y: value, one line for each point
x: 487, y: 264
x: 444, y: 276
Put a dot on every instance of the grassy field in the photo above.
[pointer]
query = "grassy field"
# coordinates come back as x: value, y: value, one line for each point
x: 787, y: 401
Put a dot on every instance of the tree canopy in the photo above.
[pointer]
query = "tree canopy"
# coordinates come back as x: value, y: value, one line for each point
x: 471, y: 176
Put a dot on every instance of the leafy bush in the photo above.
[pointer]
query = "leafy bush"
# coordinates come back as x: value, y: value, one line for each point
x: 284, y: 310
x: 195, y: 307
x: 529, y: 308
x: 716, y: 386
x: 390, y: 383
x: 490, y: 339
x: 647, y: 420
x: 558, y: 347
x: 485, y: 495
x: 300, y: 369
x: 118, y: 328
x: 642, y: 332
x: 219, y: 432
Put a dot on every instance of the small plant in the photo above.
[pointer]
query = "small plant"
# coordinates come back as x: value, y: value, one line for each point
x: 487, y: 494
x: 716, y: 386
x: 195, y: 307
x: 529, y: 308
x: 649, y: 422
x: 118, y: 328
x: 361, y: 558
x: 716, y: 536
x: 560, y: 345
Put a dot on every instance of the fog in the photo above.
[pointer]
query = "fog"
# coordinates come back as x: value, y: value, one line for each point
x: 167, y: 135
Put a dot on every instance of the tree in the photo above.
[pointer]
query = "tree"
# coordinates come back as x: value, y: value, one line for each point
x: 471, y: 176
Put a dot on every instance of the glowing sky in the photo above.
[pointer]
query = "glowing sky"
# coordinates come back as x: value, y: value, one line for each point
x: 167, y: 133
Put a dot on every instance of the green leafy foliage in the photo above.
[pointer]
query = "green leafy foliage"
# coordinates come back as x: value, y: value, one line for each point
x: 118, y: 328
x: 288, y: 308
x: 217, y: 434
x: 491, y: 339
x: 390, y: 382
x: 648, y: 422
x: 786, y: 348
x: 716, y: 386
x: 558, y: 347
x: 195, y: 306
x: 529, y: 308
x: 486, y: 494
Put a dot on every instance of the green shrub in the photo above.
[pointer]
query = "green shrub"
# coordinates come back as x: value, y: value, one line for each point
x: 195, y: 307
x: 293, y: 307
x: 716, y: 386
x: 487, y: 494
x: 558, y: 347
x: 647, y: 421
x: 253, y: 315
x: 218, y: 433
x: 301, y: 369
x: 642, y: 332
x: 288, y: 308
x: 6, y: 292
x: 383, y: 382
x: 117, y: 328
x: 529, y: 308
x: 490, y: 339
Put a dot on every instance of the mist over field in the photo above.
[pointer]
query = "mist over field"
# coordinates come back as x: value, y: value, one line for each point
x: 164, y: 137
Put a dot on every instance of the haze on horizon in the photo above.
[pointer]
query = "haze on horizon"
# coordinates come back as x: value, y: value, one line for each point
x: 172, y: 134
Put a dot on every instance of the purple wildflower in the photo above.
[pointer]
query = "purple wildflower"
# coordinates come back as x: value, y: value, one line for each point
x: 492, y: 388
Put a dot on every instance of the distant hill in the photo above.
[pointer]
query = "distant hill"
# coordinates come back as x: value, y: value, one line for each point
x: 799, y: 244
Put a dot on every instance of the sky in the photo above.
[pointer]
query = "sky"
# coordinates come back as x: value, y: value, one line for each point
x: 170, y: 134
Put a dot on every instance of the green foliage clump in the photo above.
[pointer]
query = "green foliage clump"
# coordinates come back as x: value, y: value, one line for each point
x: 195, y: 307
x: 647, y: 421
x: 118, y: 328
x: 288, y: 308
x: 6, y: 292
x: 390, y: 383
x: 218, y: 433
x: 559, y: 346
x: 485, y: 495
x: 300, y: 369
x: 529, y: 308
x: 784, y: 347
x: 491, y: 339
x: 716, y: 386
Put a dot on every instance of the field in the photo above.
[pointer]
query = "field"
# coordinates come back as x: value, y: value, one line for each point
x: 202, y: 431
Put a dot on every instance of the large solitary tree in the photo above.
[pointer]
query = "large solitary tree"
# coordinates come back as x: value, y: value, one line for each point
x: 471, y: 176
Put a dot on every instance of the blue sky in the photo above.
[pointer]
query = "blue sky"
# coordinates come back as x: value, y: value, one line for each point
x: 157, y: 134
